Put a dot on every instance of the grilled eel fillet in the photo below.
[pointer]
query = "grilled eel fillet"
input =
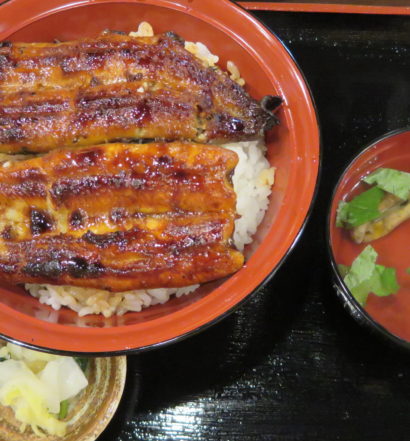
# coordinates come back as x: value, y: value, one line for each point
x: 117, y: 87
x: 119, y: 216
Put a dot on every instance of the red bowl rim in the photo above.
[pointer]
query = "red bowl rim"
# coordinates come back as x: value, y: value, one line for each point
x: 102, y: 338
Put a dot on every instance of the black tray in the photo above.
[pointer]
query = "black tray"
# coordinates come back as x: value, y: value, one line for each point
x: 291, y: 364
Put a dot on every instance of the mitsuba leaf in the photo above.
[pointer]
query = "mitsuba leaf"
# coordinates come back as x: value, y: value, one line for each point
x: 393, y: 181
x: 384, y: 281
x: 365, y: 277
x: 361, y: 209
x: 343, y: 270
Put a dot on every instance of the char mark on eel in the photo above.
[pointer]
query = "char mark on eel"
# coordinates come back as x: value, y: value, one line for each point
x: 120, y: 88
x: 119, y: 216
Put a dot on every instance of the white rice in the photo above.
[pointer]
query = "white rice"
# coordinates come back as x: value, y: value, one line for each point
x: 252, y: 181
x: 97, y: 301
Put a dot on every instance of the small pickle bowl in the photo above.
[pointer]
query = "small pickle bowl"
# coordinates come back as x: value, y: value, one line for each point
x: 368, y: 239
x: 31, y: 377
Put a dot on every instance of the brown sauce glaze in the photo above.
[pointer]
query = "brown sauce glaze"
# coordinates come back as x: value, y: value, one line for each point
x: 120, y: 216
x: 118, y: 87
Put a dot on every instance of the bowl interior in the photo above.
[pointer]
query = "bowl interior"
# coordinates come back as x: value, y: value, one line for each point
x: 293, y: 148
x: 391, y: 312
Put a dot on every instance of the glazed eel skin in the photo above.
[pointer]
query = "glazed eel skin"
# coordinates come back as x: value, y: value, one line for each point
x: 119, y: 216
x: 117, y: 88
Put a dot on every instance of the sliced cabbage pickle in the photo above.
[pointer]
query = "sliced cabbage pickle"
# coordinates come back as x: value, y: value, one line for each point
x: 38, y: 388
x: 23, y: 391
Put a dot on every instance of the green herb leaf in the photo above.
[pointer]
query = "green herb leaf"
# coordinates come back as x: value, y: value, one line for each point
x: 393, y: 181
x: 408, y: 270
x: 82, y: 362
x: 361, y: 209
x: 63, y: 410
x: 343, y: 270
x: 365, y: 277
x: 2, y: 359
x: 384, y: 281
x: 342, y: 214
x: 362, y: 268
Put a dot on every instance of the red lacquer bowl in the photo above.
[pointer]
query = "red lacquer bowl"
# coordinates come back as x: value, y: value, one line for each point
x: 268, y: 68
x: 389, y: 316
